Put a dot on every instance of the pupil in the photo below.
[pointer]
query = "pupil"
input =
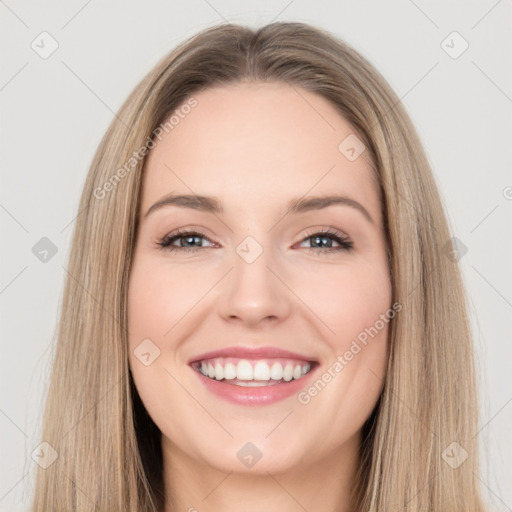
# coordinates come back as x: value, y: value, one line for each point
x: 189, y: 239
x: 317, y: 238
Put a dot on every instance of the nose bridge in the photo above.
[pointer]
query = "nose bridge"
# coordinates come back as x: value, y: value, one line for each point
x: 253, y: 293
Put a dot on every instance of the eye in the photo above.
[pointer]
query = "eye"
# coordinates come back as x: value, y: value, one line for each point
x: 322, y: 241
x: 189, y: 241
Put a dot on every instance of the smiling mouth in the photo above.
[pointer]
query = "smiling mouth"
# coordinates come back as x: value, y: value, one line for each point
x: 253, y: 373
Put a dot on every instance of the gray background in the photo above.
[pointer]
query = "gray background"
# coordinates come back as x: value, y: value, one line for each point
x: 55, y: 110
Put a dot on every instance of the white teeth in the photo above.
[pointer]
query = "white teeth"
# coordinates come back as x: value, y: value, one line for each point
x: 276, y: 372
x: 261, y: 371
x: 253, y: 383
x: 261, y: 374
x: 219, y: 371
x: 244, y: 370
x: 288, y: 372
x: 230, y: 371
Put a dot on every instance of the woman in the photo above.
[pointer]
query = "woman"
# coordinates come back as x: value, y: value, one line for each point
x: 262, y: 308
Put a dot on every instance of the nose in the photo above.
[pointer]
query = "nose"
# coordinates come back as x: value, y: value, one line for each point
x: 255, y: 293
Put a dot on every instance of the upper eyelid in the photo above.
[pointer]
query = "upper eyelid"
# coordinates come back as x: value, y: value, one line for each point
x: 313, y: 231
x: 324, y: 230
x: 184, y: 232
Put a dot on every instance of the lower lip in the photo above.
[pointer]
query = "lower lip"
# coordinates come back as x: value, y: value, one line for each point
x: 261, y: 395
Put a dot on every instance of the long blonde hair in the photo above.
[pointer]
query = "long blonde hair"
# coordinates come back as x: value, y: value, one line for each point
x: 109, y: 456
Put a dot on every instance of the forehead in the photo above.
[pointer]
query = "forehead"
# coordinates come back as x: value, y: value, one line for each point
x: 250, y: 141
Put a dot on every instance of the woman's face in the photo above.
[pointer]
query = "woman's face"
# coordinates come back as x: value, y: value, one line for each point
x: 260, y: 283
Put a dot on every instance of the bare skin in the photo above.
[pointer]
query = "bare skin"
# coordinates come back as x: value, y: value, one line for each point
x: 255, y: 147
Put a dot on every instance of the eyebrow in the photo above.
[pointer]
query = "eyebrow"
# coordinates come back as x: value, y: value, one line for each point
x: 299, y: 205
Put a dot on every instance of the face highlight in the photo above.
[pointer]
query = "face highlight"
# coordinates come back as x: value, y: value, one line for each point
x: 257, y: 233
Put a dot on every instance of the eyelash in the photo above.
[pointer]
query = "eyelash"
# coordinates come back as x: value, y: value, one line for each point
x: 345, y: 244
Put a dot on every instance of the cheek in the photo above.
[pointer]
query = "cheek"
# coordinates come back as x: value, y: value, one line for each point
x: 348, y: 299
x: 155, y: 305
x: 152, y: 304
x: 351, y: 302
x: 146, y: 302
x: 159, y: 297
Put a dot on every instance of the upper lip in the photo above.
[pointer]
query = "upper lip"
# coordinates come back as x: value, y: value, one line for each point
x: 251, y: 353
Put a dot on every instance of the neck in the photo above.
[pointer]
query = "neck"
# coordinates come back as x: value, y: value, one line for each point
x: 319, y: 483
